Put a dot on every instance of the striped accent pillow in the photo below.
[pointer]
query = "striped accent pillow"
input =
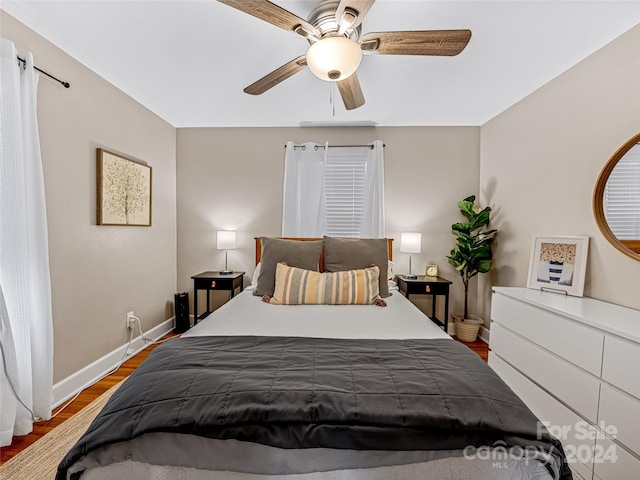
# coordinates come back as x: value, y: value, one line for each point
x: 296, y: 286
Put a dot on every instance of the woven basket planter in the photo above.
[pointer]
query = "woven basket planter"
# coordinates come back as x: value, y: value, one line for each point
x: 467, y: 331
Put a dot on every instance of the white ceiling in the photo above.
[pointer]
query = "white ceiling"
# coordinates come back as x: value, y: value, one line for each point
x: 188, y: 61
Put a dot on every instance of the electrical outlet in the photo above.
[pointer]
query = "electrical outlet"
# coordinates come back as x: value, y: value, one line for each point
x: 131, y: 320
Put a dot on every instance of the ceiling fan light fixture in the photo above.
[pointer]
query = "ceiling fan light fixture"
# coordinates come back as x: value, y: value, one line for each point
x: 334, y: 58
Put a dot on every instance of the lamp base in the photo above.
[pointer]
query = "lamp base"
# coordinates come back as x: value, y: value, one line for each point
x: 410, y: 277
x: 226, y: 272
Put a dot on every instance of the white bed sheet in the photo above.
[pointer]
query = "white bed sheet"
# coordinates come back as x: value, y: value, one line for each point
x: 247, y: 314
x: 441, y: 469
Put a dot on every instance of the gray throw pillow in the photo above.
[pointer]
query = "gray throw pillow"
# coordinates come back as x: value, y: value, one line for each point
x: 295, y: 253
x: 353, y: 253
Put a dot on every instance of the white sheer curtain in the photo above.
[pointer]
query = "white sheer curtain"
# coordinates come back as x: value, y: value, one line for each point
x: 374, y: 218
x: 26, y: 333
x: 306, y: 187
x: 303, y: 199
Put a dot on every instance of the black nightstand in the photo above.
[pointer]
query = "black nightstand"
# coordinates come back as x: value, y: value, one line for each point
x: 214, y: 281
x: 424, y: 285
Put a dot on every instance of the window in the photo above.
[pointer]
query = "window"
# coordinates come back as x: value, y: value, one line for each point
x: 335, y: 191
x: 345, y: 175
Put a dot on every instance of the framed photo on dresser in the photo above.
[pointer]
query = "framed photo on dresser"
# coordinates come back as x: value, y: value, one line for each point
x: 558, y: 264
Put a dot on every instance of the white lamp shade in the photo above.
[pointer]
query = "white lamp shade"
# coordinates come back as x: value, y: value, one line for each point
x: 334, y: 58
x: 226, y: 240
x: 410, y: 242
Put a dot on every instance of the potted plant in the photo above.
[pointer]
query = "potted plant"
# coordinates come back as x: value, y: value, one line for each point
x: 471, y: 255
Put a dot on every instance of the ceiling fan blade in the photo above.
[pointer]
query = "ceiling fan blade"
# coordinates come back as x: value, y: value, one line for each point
x: 275, y: 15
x: 350, y: 13
x: 351, y: 92
x: 421, y: 42
x: 277, y: 76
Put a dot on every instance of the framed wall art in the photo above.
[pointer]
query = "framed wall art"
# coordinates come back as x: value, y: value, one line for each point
x: 558, y: 264
x: 124, y: 190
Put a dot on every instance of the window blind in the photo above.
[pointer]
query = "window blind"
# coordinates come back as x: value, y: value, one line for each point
x: 345, y: 191
x: 622, y: 196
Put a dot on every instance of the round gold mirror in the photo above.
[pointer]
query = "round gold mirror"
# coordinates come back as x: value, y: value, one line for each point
x: 616, y: 199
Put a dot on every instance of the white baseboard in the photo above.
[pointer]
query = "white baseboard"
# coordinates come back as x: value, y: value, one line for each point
x: 67, y: 388
x: 484, y: 334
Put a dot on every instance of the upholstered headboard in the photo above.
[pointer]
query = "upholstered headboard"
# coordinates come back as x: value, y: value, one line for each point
x: 259, y: 248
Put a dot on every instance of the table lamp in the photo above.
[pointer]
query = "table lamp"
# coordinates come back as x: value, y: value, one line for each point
x: 226, y: 240
x: 410, y: 242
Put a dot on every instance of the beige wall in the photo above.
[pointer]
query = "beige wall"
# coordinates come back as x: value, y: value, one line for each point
x: 231, y: 178
x: 540, y: 160
x: 98, y: 273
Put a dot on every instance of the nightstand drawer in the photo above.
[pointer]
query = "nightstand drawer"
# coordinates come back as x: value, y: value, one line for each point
x: 430, y: 288
x: 213, y: 284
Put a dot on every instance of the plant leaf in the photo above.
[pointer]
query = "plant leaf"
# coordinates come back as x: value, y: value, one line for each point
x: 484, y: 266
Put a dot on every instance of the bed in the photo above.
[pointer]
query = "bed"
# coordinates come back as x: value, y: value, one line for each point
x: 263, y: 391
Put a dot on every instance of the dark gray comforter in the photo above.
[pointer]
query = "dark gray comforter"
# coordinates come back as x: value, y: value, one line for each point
x: 291, y: 392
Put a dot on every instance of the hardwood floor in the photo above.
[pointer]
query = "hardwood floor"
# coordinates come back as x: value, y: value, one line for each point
x: 84, y: 399
x: 93, y: 392
x: 480, y: 347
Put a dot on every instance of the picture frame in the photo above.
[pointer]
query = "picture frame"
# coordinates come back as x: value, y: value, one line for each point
x: 123, y: 190
x: 558, y: 263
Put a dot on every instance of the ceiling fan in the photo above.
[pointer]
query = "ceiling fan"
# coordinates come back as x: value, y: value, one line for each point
x: 336, y: 45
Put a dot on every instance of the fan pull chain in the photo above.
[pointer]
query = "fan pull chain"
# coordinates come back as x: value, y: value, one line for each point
x: 333, y: 104
x: 332, y: 97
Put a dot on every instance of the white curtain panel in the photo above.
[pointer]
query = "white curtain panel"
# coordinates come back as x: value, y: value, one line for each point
x: 374, y: 219
x: 27, y: 328
x: 302, y: 202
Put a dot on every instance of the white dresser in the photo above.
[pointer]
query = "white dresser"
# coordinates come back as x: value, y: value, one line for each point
x: 576, y: 363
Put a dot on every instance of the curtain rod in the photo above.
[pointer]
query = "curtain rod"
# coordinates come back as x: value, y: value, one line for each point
x: 24, y: 64
x: 335, y: 146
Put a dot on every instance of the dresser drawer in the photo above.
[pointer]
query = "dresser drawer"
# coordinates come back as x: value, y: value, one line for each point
x: 553, y: 332
x: 571, y: 385
x: 578, y: 474
x: 552, y: 413
x: 622, y: 412
x: 623, y: 466
x: 620, y: 364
